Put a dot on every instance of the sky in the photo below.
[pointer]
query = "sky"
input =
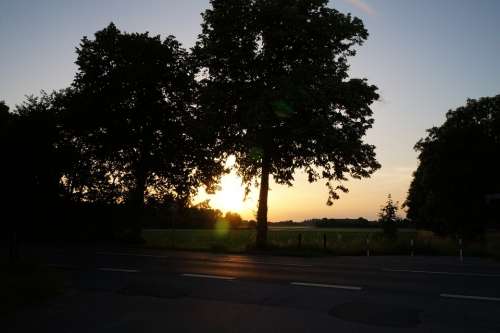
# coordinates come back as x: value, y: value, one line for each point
x: 426, y: 57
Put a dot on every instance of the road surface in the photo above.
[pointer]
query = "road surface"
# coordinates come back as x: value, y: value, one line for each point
x: 126, y: 290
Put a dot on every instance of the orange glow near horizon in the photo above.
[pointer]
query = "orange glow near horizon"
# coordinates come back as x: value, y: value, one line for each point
x: 306, y: 201
x: 231, y: 196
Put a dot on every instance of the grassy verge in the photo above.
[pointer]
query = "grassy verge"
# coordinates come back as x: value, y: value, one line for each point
x: 27, y: 283
x: 312, y: 241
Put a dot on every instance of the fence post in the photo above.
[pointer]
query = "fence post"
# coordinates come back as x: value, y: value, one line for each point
x: 300, y: 240
x: 461, y: 251
x: 412, y: 250
x: 367, y: 247
x: 324, y: 242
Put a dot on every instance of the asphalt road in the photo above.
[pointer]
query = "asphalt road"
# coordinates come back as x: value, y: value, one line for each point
x: 126, y: 290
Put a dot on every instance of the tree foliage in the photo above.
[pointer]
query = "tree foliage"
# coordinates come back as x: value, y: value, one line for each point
x: 274, y: 76
x: 34, y: 161
x: 137, y: 123
x: 125, y: 134
x: 458, y: 168
x: 5, y: 119
x: 388, y: 217
x: 37, y: 152
x: 4, y: 112
x: 234, y: 219
x: 5, y: 151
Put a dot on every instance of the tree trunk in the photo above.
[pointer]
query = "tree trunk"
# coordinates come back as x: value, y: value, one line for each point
x: 141, y: 175
x: 137, y: 202
x: 262, y: 210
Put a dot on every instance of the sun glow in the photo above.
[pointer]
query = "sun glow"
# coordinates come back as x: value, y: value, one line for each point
x: 231, y: 197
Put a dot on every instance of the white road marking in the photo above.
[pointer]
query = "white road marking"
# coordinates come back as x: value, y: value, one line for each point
x: 321, y: 285
x: 209, y: 276
x: 119, y: 270
x: 441, y: 273
x: 266, y: 263
x: 478, y: 298
x: 130, y: 255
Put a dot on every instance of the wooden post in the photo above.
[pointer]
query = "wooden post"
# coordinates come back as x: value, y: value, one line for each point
x: 324, y: 242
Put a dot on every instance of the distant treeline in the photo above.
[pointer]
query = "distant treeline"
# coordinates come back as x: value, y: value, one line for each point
x: 342, y: 223
x: 195, y: 217
x: 94, y: 221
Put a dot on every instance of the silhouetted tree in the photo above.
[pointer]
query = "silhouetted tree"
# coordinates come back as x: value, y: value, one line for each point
x: 37, y: 157
x: 6, y: 182
x: 388, y: 217
x: 34, y: 162
x: 4, y: 112
x: 458, y: 168
x: 136, y: 94
x: 234, y: 219
x: 199, y: 217
x: 274, y: 76
x: 5, y: 119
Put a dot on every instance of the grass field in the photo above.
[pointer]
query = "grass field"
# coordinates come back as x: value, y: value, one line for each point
x: 338, y: 241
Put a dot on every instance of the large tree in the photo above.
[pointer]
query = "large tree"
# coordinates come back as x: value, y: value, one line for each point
x: 5, y: 118
x: 5, y: 175
x: 33, y: 163
x: 274, y: 76
x: 4, y: 112
x: 36, y: 157
x: 458, y: 169
x: 137, y: 117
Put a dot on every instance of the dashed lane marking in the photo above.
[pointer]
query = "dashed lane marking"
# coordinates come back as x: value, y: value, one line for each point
x: 105, y: 269
x: 322, y: 285
x: 442, y: 273
x: 218, y: 277
x: 477, y: 298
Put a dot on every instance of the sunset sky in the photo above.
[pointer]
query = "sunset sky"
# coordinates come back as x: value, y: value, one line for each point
x: 426, y: 56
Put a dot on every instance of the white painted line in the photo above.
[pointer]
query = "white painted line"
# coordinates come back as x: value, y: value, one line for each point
x: 266, y: 263
x: 130, y: 255
x: 441, y: 273
x: 209, y: 276
x: 321, y: 285
x: 119, y: 270
x: 478, y: 298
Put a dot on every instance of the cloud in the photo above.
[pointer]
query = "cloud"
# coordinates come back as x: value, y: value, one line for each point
x: 363, y: 6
